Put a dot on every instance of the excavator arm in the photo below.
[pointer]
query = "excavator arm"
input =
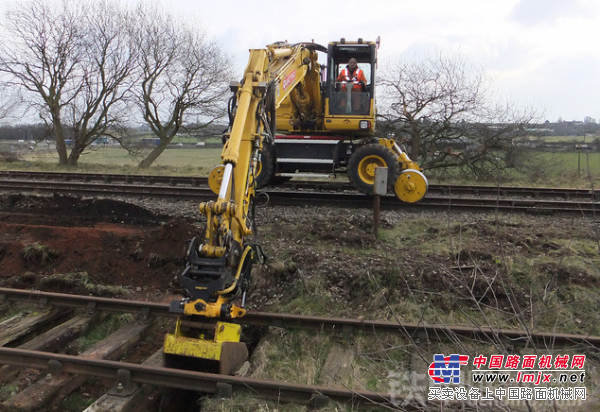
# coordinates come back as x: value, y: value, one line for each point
x: 272, y: 76
x: 219, y: 263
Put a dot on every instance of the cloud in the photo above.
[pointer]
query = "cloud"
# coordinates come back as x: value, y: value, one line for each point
x: 525, y: 44
x: 567, y: 87
x: 534, y: 12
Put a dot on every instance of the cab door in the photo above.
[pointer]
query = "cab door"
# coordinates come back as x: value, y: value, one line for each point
x: 348, y: 108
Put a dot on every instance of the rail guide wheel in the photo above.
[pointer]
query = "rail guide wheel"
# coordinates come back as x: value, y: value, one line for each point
x: 411, y: 186
x: 215, y: 177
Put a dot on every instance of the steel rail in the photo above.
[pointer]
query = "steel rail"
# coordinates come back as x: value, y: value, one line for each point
x: 124, y: 373
x: 106, y: 188
x: 342, y: 325
x: 105, y: 177
x: 193, y: 181
x: 286, y: 198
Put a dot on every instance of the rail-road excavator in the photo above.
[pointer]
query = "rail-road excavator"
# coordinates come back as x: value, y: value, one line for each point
x: 288, y: 115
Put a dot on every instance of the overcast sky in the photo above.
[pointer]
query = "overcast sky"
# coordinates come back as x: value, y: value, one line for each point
x: 541, y: 52
x: 544, y: 53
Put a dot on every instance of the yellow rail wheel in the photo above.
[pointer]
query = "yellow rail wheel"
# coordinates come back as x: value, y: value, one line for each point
x: 215, y: 177
x: 411, y: 186
x: 362, y: 164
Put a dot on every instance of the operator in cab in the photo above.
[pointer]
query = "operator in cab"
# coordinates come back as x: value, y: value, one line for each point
x: 352, y: 74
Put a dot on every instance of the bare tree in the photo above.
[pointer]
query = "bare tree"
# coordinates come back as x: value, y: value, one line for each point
x: 443, y: 109
x: 10, y: 101
x: 184, y: 76
x: 106, y: 78
x: 74, y: 62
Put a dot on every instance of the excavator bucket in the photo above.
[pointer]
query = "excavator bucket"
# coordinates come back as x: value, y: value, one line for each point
x: 190, y: 343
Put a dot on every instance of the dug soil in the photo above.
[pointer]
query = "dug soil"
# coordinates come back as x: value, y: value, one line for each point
x: 105, y: 242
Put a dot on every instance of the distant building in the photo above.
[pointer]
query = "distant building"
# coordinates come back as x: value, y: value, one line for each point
x: 150, y: 142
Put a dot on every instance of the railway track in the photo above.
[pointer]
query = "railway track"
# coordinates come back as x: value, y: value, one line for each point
x: 460, y: 198
x: 100, y: 362
x: 148, y: 310
x: 126, y: 374
x: 129, y: 378
x: 318, y: 186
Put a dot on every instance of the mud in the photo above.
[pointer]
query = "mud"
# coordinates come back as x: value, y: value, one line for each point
x: 112, y: 242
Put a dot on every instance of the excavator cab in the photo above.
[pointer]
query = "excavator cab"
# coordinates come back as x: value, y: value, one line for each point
x: 350, y: 107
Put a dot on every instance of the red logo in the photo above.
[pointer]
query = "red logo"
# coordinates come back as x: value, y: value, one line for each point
x: 289, y: 79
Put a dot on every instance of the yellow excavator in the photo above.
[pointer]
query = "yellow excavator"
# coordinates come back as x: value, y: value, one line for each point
x: 289, y: 115
x: 325, y: 125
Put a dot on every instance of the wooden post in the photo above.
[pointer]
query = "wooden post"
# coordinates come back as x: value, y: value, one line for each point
x: 578, y: 159
x: 376, y: 205
x: 379, y: 189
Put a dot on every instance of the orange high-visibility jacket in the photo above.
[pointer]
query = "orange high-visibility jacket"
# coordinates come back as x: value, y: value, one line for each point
x: 357, y: 77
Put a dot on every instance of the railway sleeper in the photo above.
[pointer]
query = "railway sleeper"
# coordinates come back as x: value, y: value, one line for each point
x: 21, y: 327
x: 120, y: 400
x: 51, y: 341
x: 319, y: 401
x: 52, y: 388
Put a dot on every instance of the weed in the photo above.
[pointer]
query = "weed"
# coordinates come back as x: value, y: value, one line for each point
x: 39, y: 254
x: 80, y: 282
x: 75, y: 402
x: 301, y: 361
x: 8, y: 390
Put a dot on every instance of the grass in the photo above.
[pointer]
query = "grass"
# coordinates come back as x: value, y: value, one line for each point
x: 519, y: 271
x: 75, y: 402
x: 39, y: 254
x: 543, y: 169
x: 569, y: 163
x: 245, y: 402
x: 539, y: 273
x: 176, y: 162
x: 426, y: 236
x: 587, y: 139
x: 301, y: 361
x: 101, y: 330
x: 81, y: 282
x: 12, y: 311
x: 8, y: 390
x: 184, y: 139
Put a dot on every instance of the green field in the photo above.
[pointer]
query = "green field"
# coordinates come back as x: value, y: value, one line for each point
x: 545, y: 169
x: 570, y: 162
x: 571, y: 139
x: 175, y: 161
